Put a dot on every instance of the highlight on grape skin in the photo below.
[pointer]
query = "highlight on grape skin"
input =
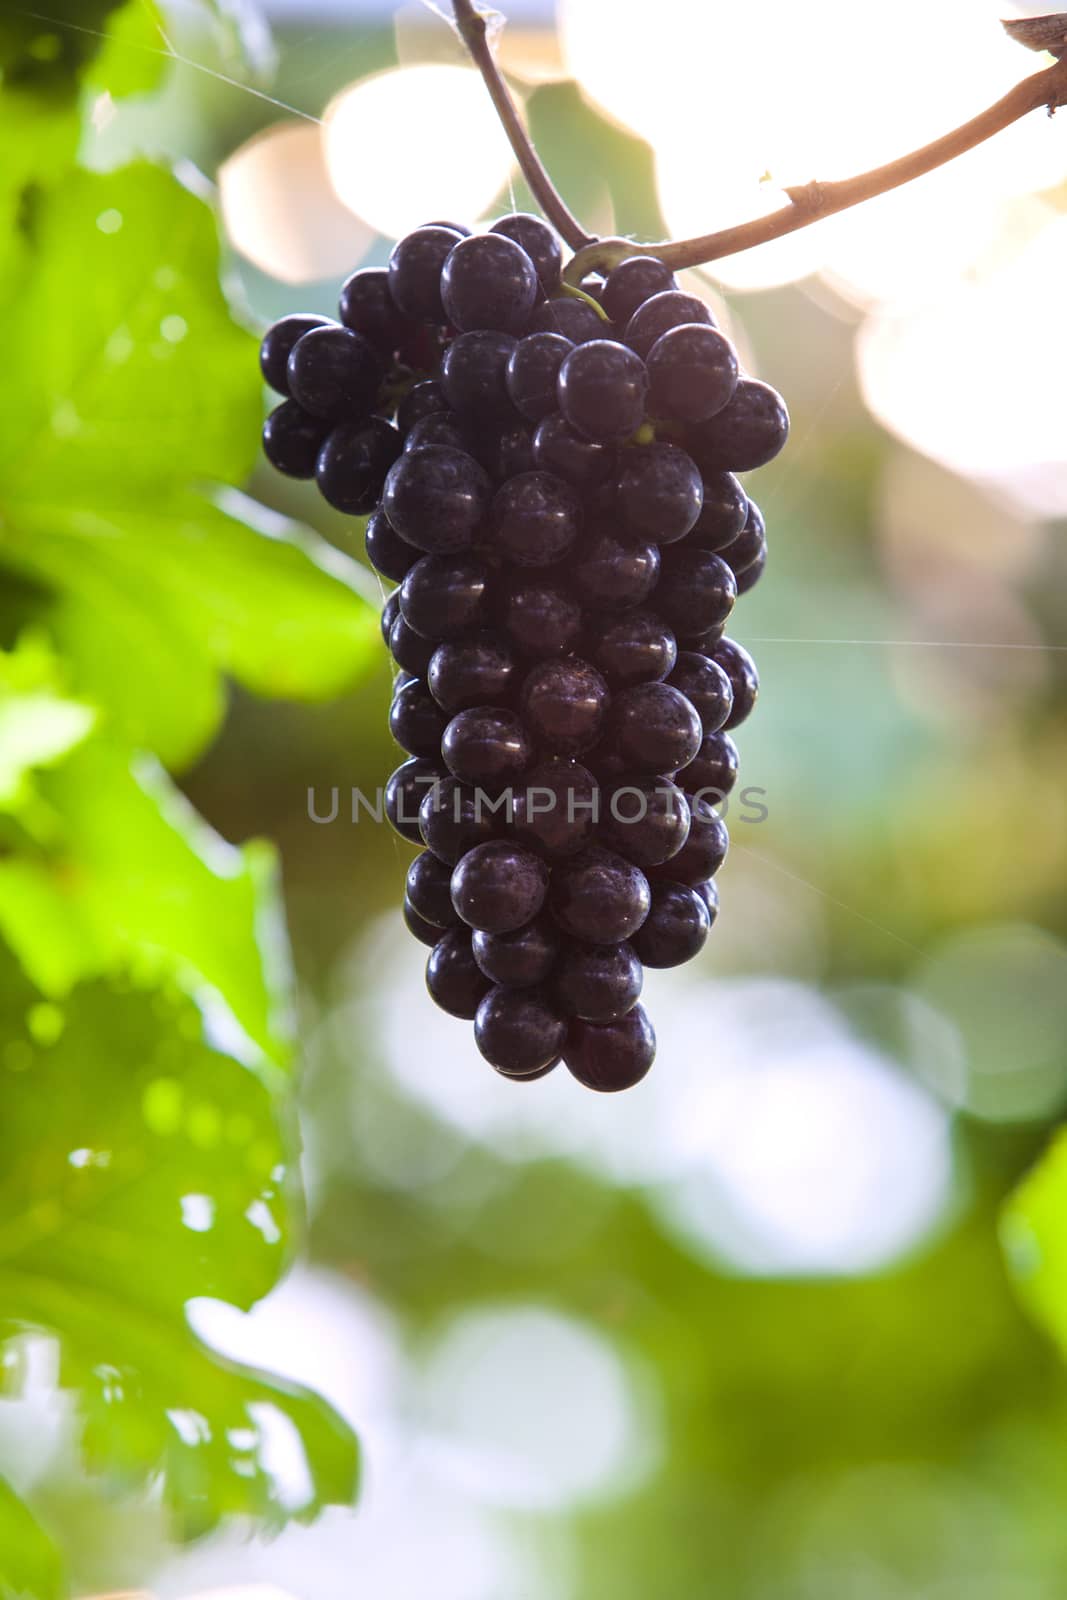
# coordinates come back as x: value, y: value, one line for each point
x: 551, y: 481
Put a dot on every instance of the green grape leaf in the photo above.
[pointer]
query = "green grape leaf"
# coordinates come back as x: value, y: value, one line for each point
x: 133, y: 57
x: 38, y: 726
x: 1035, y: 1241
x: 30, y: 1565
x: 142, y: 1166
x: 45, y: 48
x: 136, y: 395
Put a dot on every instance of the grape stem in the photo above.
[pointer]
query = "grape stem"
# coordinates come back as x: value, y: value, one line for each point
x: 808, y: 203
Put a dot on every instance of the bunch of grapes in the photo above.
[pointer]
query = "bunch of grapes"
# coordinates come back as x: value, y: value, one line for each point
x: 549, y: 478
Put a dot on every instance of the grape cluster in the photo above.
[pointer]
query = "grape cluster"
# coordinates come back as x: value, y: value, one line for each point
x: 549, y: 479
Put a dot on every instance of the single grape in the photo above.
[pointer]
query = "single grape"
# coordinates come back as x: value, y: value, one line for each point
x: 277, y: 347
x: 474, y: 375
x: 436, y: 499
x: 655, y: 727
x: 498, y: 887
x: 564, y: 703
x: 631, y: 283
x: 637, y: 647
x: 425, y: 399
x: 488, y: 281
x: 415, y: 272
x: 712, y: 773
x: 486, y: 745
x: 460, y: 229
x: 520, y: 959
x: 367, y: 307
x: 599, y: 896
x: 692, y: 373
x: 706, y: 687
x: 703, y: 852
x: 409, y: 649
x: 335, y: 373
x: 644, y: 819
x: 428, y: 888
x: 539, y: 616
x: 741, y: 671
x: 659, y: 314
x: 660, y: 493
x: 353, y: 463
x: 611, y: 1056
x: 453, y: 977
x: 752, y: 574
x: 438, y: 428
x: 709, y: 893
x: 676, y: 928
x: 571, y: 317
x: 425, y: 932
x: 558, y: 449
x: 535, y: 519
x: 477, y: 671
x: 390, y: 613
x: 601, y: 390
x: 597, y: 982
x: 416, y: 721
x: 696, y: 591
x: 405, y: 792
x: 748, y: 432
x: 750, y: 544
x: 387, y: 552
x: 612, y: 576
x: 292, y: 439
x: 453, y: 819
x: 532, y: 370
x: 723, y: 514
x: 555, y: 808
x: 505, y: 453
x: 540, y: 243
x: 518, y: 1032
x: 443, y: 597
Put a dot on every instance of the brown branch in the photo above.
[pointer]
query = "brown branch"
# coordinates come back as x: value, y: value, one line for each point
x: 472, y: 28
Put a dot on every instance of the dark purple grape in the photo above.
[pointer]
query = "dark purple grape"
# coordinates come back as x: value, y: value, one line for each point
x: 696, y: 591
x: 277, y: 347
x: 335, y: 373
x: 655, y: 728
x: 415, y: 272
x: 558, y: 449
x: 439, y: 428
x: 740, y: 668
x: 598, y: 982
x: 712, y: 773
x: 564, y: 703
x: 571, y: 317
x: 488, y: 281
x: 703, y: 852
x: 436, y: 499
x: 518, y: 1032
x: 353, y: 463
x: 520, y: 959
x: 660, y: 493
x: 478, y: 671
x: 405, y: 792
x: 644, y: 819
x: 535, y: 519
x: 409, y: 649
x: 367, y: 307
x: 453, y: 819
x: 555, y: 808
x: 387, y: 552
x: 533, y: 368
x: 692, y: 372
x: 539, y: 617
x: 611, y: 1056
x: 659, y: 314
x: 706, y: 687
x: 425, y: 932
x: 723, y: 514
x: 601, y: 390
x: 752, y: 574
x: 709, y: 893
x: 750, y: 544
x: 506, y: 454
x: 292, y: 439
x: 498, y: 886
x: 474, y: 375
x: 540, y: 244
x: 676, y: 928
x: 631, y: 283
x: 453, y: 977
x: 460, y: 229
x: 612, y: 576
x: 416, y: 721
x: 425, y: 399
x: 486, y: 745
x: 635, y: 648
x: 599, y: 897
x: 390, y: 613
x: 428, y: 888
x: 747, y: 433
x: 443, y: 597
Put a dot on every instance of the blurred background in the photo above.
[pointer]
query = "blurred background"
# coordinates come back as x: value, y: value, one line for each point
x: 746, y: 1331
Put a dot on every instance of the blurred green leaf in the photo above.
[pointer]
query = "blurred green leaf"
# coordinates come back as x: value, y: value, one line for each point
x: 142, y: 1167
x: 46, y: 50
x: 1035, y: 1240
x: 133, y: 57
x: 30, y: 1566
x: 38, y: 726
